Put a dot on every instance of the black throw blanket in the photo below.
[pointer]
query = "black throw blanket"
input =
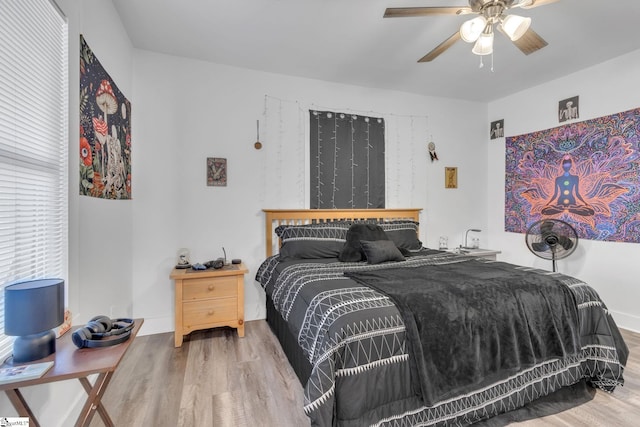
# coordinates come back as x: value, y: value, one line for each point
x: 471, y: 324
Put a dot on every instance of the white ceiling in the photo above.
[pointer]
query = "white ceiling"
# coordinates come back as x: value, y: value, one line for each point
x: 348, y: 41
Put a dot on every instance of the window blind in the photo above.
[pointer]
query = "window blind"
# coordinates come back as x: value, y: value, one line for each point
x: 33, y: 145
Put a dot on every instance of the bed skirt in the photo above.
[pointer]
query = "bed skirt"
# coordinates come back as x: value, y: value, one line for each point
x: 289, y: 343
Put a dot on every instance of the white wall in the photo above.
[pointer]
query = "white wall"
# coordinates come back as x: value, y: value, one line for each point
x: 611, y: 268
x: 103, y: 227
x: 100, y: 251
x: 100, y: 245
x: 187, y: 110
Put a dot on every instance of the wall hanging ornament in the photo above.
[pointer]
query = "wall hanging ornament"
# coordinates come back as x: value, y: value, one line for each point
x: 431, y: 146
x: 258, y: 144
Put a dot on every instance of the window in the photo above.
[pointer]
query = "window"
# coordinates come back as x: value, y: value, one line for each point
x: 33, y: 145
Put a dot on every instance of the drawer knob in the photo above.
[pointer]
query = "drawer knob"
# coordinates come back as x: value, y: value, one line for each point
x: 210, y: 313
x: 210, y: 287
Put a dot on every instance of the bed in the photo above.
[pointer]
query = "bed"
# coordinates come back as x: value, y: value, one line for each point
x: 384, y: 332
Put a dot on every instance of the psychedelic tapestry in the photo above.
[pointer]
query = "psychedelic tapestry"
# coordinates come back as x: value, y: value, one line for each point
x: 585, y: 173
x: 105, y: 132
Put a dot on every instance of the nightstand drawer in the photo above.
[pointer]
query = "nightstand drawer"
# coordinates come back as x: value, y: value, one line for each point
x: 209, y: 311
x: 210, y: 287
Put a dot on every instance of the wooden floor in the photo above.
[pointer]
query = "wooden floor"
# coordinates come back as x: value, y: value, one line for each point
x: 217, y: 379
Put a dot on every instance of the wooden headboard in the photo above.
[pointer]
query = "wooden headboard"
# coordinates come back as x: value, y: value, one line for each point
x: 276, y: 217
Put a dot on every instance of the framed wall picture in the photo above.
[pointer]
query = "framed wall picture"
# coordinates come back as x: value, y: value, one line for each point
x: 450, y: 177
x: 216, y: 172
x: 497, y: 129
x: 568, y: 109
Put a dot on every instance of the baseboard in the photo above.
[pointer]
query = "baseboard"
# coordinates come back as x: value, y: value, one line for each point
x: 626, y: 321
x: 76, y: 398
x: 157, y: 325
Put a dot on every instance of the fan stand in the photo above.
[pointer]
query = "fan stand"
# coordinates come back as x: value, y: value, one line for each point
x: 553, y: 257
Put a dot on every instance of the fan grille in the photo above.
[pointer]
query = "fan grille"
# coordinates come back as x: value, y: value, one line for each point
x: 551, y: 239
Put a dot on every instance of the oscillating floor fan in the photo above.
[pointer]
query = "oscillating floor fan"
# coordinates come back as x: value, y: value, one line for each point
x: 551, y: 239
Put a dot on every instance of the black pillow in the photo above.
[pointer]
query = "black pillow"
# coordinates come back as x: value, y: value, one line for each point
x: 352, y: 250
x: 321, y: 240
x: 381, y: 251
x: 403, y: 233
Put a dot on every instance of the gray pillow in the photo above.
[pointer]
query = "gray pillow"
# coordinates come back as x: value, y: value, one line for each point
x: 403, y: 233
x: 320, y: 240
x: 378, y: 251
x: 352, y: 250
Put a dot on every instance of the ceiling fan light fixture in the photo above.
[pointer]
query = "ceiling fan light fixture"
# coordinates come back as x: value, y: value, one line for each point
x: 515, y: 26
x: 484, y: 44
x: 470, y: 30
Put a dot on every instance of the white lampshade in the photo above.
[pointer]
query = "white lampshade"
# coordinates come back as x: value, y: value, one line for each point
x: 484, y: 45
x: 471, y: 29
x: 515, y: 26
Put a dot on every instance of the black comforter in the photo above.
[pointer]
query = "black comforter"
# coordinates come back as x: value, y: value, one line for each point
x: 470, y: 327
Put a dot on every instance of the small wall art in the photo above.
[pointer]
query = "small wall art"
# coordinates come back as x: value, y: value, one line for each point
x: 568, y: 109
x: 216, y: 172
x: 450, y: 177
x: 497, y: 129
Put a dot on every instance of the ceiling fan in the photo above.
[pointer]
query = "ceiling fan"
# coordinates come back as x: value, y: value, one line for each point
x: 480, y: 30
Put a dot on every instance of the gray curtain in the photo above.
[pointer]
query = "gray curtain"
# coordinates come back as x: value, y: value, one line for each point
x: 347, y: 161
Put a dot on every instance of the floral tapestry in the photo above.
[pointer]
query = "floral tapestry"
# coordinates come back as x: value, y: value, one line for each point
x: 105, y: 132
x: 585, y: 173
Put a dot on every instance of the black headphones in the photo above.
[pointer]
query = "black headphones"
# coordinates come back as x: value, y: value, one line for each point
x: 93, y: 333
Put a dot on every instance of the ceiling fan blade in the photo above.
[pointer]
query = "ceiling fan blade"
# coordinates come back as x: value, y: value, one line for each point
x: 401, y: 12
x: 441, y: 48
x: 530, y: 4
x: 530, y: 42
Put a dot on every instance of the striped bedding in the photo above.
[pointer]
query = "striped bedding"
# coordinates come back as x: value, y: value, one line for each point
x: 355, y: 342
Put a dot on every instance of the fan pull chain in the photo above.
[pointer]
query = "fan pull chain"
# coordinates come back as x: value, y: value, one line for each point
x: 482, y: 63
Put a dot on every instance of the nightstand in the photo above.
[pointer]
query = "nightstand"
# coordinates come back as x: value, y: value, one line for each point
x: 209, y: 299
x: 479, y: 252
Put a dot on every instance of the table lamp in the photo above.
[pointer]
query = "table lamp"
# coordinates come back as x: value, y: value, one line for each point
x: 31, y: 310
x: 466, y: 244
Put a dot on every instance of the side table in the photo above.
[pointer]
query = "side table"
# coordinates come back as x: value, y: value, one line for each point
x: 481, y: 253
x: 208, y: 299
x: 72, y: 362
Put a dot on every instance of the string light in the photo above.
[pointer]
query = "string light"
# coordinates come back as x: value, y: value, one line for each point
x: 274, y: 110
